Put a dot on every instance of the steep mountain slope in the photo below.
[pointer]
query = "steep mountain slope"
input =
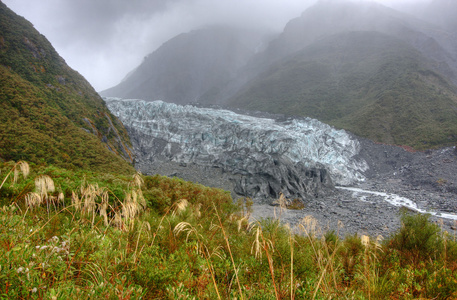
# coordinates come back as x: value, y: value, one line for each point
x: 189, y: 65
x: 50, y: 113
x: 369, y: 83
x: 210, y: 65
x: 331, y: 17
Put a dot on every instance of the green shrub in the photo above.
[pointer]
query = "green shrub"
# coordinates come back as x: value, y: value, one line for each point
x: 418, y: 239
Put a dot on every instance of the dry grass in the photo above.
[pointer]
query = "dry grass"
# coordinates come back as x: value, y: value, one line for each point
x: 104, y: 206
x: 256, y: 246
x: 19, y: 167
x: 33, y: 200
x: 44, y: 185
x: 309, y: 226
x: 134, y: 202
x: 230, y: 251
x: 22, y: 167
x: 137, y: 180
x: 75, y: 201
x: 180, y: 206
x: 365, y: 239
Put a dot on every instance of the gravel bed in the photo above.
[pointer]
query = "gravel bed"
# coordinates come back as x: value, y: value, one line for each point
x: 427, y: 178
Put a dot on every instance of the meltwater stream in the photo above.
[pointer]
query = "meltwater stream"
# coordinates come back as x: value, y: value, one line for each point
x: 399, y: 201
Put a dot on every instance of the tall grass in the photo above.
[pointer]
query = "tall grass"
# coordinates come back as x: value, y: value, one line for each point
x: 197, y: 245
x: 19, y: 167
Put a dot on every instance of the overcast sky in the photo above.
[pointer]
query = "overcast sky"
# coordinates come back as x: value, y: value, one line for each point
x: 105, y: 39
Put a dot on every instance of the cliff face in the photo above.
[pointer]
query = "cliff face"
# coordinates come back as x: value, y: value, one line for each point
x: 262, y: 157
x: 48, y: 112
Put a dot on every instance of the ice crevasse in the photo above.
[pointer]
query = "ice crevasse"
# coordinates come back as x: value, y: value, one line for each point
x: 239, y: 143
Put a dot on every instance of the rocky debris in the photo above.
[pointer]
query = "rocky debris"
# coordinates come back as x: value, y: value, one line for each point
x: 347, y: 212
x: 341, y: 212
x: 427, y: 178
x: 392, y: 170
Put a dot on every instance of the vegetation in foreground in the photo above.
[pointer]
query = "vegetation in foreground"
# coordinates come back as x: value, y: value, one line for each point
x: 66, y: 235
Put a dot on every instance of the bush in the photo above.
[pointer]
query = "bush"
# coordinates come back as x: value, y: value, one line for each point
x: 418, y: 239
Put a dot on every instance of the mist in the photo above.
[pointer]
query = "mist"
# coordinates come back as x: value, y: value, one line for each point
x: 105, y: 39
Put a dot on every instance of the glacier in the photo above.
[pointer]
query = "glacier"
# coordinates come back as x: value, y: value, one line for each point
x: 266, y: 156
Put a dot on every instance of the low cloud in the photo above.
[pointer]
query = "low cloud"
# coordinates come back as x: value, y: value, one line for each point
x: 105, y: 39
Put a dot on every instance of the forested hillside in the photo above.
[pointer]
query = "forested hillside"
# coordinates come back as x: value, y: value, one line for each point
x: 49, y: 112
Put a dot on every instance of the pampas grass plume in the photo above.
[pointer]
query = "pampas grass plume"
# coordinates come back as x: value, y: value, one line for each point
x: 23, y: 168
x: 44, y: 184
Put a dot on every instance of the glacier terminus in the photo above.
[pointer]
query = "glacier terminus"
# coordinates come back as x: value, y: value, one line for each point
x: 264, y: 157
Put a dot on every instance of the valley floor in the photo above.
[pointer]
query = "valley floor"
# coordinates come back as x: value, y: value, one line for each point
x: 428, y: 179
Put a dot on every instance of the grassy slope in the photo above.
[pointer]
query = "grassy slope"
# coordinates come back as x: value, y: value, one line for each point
x: 46, y: 105
x: 201, y: 248
x: 373, y: 85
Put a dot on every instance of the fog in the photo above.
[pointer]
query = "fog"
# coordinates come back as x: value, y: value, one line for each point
x: 105, y: 39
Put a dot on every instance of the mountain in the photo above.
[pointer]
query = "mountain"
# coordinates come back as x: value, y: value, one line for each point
x: 372, y: 84
x: 327, y: 18
x: 361, y: 66
x: 190, y: 65
x: 49, y: 113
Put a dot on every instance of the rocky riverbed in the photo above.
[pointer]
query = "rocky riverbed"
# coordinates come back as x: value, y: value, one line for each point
x: 347, y: 184
x: 429, y: 179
